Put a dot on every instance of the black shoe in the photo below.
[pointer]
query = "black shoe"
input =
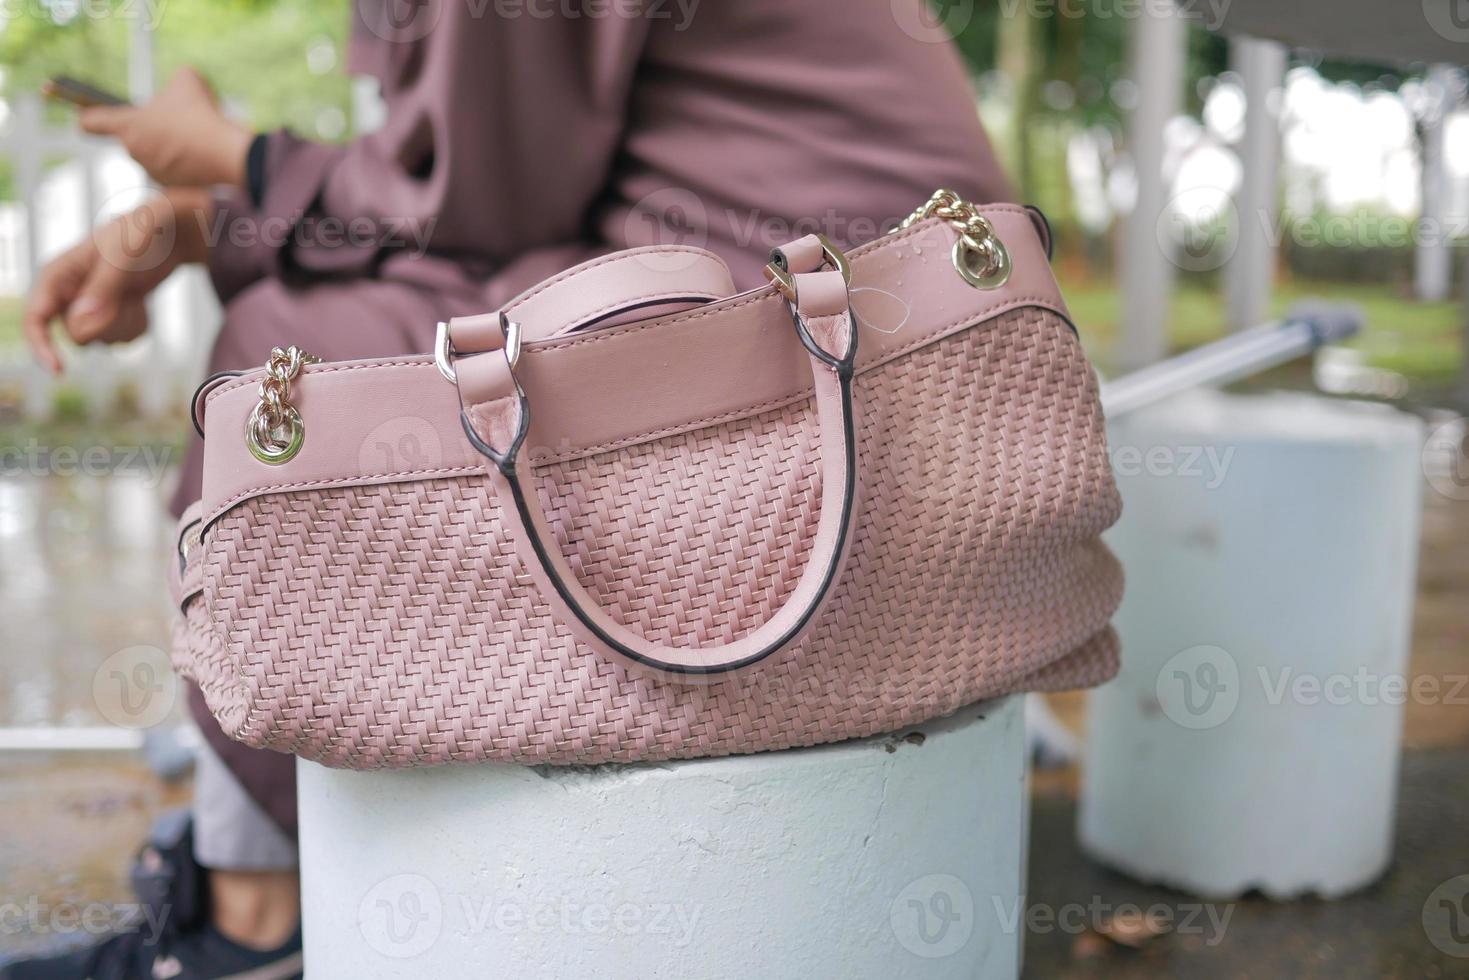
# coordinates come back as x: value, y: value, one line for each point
x: 202, y: 954
x: 172, y: 938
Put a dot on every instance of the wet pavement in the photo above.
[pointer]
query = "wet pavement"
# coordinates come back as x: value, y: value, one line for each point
x: 1378, y: 932
x: 81, y: 594
x: 81, y: 579
x: 82, y: 621
x: 73, y: 823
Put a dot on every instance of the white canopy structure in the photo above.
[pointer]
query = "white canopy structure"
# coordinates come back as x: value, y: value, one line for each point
x: 1429, y: 33
x: 1433, y: 31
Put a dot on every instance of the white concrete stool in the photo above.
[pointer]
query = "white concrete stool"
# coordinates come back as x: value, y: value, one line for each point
x: 901, y: 856
x: 1252, y: 738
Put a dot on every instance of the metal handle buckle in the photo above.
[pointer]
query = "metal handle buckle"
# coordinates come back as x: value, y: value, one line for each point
x: 444, y: 352
x: 779, y: 274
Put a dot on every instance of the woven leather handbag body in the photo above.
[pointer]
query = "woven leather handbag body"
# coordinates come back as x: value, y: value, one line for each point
x: 635, y: 516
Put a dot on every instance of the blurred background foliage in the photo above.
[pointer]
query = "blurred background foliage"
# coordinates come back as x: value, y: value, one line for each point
x: 274, y: 62
x: 1048, y: 71
x: 281, y: 63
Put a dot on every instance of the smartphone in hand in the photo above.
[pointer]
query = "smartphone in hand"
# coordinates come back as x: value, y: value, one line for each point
x: 79, y: 93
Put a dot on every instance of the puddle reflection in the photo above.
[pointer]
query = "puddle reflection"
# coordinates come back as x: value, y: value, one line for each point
x: 82, y: 576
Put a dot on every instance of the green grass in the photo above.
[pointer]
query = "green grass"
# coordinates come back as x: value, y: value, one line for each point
x: 1422, y: 341
x: 10, y: 308
x: 71, y: 424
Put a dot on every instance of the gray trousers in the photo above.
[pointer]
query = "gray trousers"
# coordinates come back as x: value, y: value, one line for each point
x: 231, y: 831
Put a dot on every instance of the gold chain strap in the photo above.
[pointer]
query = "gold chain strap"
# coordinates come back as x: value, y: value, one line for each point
x: 274, y: 431
x: 979, y: 255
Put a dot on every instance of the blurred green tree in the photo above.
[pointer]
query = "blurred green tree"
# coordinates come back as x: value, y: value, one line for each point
x: 274, y: 62
x: 1061, y: 63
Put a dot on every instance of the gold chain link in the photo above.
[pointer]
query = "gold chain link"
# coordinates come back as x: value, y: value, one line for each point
x: 274, y: 431
x: 979, y: 255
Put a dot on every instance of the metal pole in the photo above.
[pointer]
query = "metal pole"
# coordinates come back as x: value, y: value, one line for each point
x: 1239, y: 356
x: 1156, y: 66
x: 96, y: 738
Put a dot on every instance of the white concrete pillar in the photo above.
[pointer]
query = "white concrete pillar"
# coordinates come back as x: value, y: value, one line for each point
x: 1250, y: 271
x: 900, y: 856
x: 1252, y: 737
x: 1159, y: 45
x: 1432, y: 259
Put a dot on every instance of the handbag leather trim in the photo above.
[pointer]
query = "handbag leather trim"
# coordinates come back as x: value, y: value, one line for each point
x: 615, y: 387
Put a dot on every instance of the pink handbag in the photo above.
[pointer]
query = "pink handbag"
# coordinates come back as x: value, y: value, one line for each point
x: 632, y: 516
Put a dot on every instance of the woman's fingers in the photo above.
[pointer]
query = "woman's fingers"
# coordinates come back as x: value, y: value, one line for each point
x: 130, y: 323
x: 189, y: 83
x: 95, y: 310
x: 98, y: 288
x: 41, y: 307
x: 106, y: 120
x: 58, y: 284
x: 181, y: 138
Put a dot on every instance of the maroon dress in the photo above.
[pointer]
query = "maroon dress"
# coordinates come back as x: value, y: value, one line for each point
x: 521, y: 139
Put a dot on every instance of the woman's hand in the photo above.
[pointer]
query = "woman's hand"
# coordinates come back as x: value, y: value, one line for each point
x: 180, y: 137
x: 98, y: 287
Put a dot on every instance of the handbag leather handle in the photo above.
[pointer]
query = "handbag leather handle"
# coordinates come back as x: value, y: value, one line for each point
x: 601, y: 291
x: 496, y: 418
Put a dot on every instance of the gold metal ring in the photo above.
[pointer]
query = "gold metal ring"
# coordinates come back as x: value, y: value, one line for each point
x: 979, y: 270
x: 980, y: 258
x: 267, y: 443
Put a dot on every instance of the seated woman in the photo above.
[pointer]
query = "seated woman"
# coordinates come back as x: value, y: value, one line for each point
x: 518, y: 141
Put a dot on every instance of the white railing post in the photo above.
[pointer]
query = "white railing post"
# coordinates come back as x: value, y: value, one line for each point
x: 1432, y: 260
x: 141, y: 77
x: 39, y: 393
x: 1250, y: 271
x: 25, y: 150
x: 62, y: 204
x: 1156, y: 62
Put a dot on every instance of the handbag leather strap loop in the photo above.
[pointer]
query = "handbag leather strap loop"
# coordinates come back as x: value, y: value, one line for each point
x: 635, y: 283
x: 819, y: 302
x: 599, y: 290
x: 497, y: 426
